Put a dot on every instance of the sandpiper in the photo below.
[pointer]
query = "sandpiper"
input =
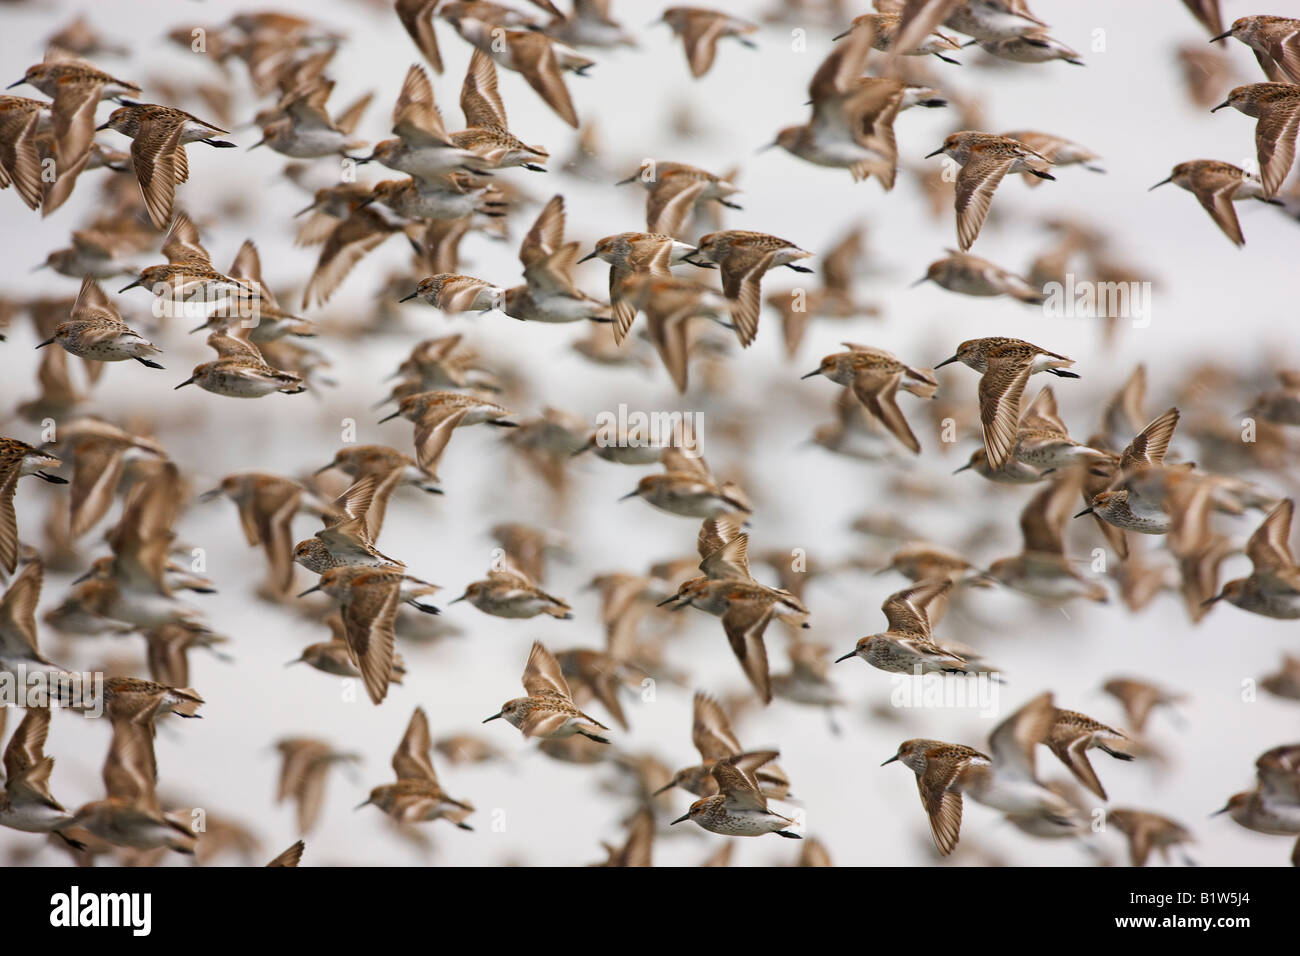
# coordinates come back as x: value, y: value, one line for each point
x: 548, y: 710
x: 96, y: 331
x: 417, y: 797
x: 984, y: 159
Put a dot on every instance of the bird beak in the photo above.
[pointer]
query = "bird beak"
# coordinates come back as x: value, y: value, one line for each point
x: 364, y: 803
x: 630, y: 494
x: 17, y: 83
x: 297, y: 660
x: 668, y: 600
x: 314, y: 587
x: 890, y: 760
x: 1206, y: 603
x: 935, y: 153
x: 955, y: 358
x: 413, y: 295
x: 965, y: 467
x: 1221, y: 106
x: 919, y: 281
x: 764, y: 148
x: 131, y: 286
x: 495, y: 716
x: 815, y: 371
x: 590, y: 255
x: 262, y: 142
x: 101, y: 127
x: 665, y: 788
x: 852, y: 653
x: 1221, y: 36
x: 323, y: 468
x: 304, y: 211
x: 188, y: 381
x: 1161, y: 183
x: 457, y: 601
x: 84, y: 577
x: 212, y: 495
x: 386, y: 418
x: 1217, y: 812
x: 45, y: 343
x: 1085, y: 511
x: 682, y: 819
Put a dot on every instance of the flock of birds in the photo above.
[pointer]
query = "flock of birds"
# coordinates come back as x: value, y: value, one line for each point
x: 1128, y: 477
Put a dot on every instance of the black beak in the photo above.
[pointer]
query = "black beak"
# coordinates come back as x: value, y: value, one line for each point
x: 955, y: 358
x: 314, y: 587
x: 101, y: 127
x: 815, y: 371
x: 131, y: 286
x: 1221, y: 36
x: 890, y: 760
x: 1085, y: 511
x: 495, y: 716
x: 665, y: 788
x: 413, y: 295
x: 935, y: 153
x: 386, y: 418
x: 212, y: 495
x: 630, y: 494
x: 188, y: 381
x: 45, y: 343
x: 457, y: 601
x: 1221, y: 106
x: 590, y: 255
x: 1206, y: 603
x: 682, y: 819
x: 16, y: 83
x: 1161, y: 183
x: 965, y: 467
x: 852, y: 653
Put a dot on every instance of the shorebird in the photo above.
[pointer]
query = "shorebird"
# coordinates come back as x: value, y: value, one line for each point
x: 305, y: 764
x: 875, y: 376
x: 487, y: 135
x: 240, y: 371
x: 18, y: 459
x: 984, y: 159
x: 368, y: 598
x: 687, y: 487
x: 1275, y: 42
x: 965, y: 274
x: 852, y: 123
x: 131, y: 814
x: 908, y: 646
x: 714, y: 739
x: 1006, y: 781
x: 1217, y: 186
x: 417, y: 797
x: 1041, y: 569
x: 436, y: 414
x: 1273, y: 586
x: 630, y: 253
x: 1274, y: 805
x: 739, y: 808
x: 507, y: 592
x: 159, y: 135
x: 548, y: 293
x: 701, y: 29
x: 25, y: 800
x: 548, y: 710
x: 1005, y: 365
x: 743, y: 257
x: 1072, y: 735
x: 96, y: 331
x: 1277, y: 108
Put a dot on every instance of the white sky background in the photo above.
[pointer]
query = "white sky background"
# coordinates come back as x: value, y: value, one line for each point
x: 1128, y: 105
